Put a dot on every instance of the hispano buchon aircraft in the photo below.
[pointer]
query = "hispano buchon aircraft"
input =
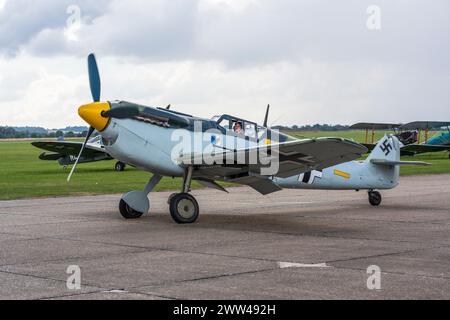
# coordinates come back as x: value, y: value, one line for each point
x: 227, y: 148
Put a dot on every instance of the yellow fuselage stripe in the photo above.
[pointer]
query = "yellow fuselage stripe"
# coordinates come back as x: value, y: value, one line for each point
x: 342, y: 174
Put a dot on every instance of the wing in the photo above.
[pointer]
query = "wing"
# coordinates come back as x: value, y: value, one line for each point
x: 67, y: 148
x: 294, y: 157
x: 374, y: 126
x: 424, y: 148
x: 423, y: 125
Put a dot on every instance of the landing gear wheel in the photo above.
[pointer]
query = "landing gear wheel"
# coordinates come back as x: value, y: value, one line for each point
x: 171, y: 197
x: 127, y: 212
x: 120, y: 166
x: 184, y: 208
x: 374, y: 198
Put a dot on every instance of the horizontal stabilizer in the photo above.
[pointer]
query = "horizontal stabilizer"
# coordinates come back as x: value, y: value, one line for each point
x: 383, y: 162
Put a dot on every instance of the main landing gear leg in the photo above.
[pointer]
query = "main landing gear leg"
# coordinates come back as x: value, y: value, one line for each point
x: 135, y: 203
x: 183, y: 206
x: 374, y: 198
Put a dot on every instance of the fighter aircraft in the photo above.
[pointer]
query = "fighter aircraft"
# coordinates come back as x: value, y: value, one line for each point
x: 225, y: 148
x: 410, y: 136
x: 66, y: 152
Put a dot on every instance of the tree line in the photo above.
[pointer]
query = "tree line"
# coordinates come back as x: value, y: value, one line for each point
x: 315, y: 127
x: 11, y: 133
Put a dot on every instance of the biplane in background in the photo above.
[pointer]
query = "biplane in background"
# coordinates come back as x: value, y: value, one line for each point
x: 410, y: 135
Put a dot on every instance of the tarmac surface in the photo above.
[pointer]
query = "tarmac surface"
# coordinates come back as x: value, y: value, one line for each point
x: 295, y: 244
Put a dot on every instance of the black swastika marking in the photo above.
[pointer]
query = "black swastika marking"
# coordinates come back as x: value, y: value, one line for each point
x: 386, y: 147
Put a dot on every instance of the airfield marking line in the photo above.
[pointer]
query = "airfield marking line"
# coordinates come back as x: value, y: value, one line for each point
x: 286, y: 265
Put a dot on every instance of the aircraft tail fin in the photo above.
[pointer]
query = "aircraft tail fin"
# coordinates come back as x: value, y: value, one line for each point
x: 387, y: 149
x: 387, y: 153
x: 381, y: 159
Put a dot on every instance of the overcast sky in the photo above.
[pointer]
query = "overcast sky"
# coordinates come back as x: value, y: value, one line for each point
x: 314, y: 61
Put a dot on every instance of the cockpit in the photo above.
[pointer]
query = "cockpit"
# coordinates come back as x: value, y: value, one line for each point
x: 240, y: 126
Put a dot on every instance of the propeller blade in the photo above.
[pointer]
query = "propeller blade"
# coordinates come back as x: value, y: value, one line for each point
x: 94, y: 78
x: 168, y: 107
x: 91, y: 130
x: 266, y: 119
x: 121, y: 113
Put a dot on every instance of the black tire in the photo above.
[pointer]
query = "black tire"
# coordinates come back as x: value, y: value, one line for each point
x: 127, y: 212
x: 375, y: 198
x: 170, y: 198
x: 119, y: 167
x: 184, y: 208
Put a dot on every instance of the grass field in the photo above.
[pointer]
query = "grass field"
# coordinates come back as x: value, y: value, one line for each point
x: 23, y: 175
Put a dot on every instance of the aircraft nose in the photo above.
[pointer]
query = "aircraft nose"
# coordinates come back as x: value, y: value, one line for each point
x: 92, y: 114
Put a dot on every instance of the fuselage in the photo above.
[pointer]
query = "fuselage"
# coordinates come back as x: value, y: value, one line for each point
x: 353, y: 175
x: 442, y: 139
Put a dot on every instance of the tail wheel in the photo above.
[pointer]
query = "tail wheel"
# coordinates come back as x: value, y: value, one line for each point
x: 120, y: 166
x: 375, y: 198
x: 184, y: 208
x: 127, y: 212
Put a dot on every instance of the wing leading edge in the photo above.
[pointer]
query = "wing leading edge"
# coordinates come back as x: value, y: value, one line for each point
x: 67, y: 148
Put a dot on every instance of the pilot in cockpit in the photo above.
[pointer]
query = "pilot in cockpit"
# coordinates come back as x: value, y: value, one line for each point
x: 238, y: 128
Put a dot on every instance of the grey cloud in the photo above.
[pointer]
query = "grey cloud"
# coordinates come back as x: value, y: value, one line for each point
x: 23, y: 20
x: 413, y: 32
x: 315, y: 59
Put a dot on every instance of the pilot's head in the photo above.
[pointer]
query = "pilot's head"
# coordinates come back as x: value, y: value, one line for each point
x: 237, y: 127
